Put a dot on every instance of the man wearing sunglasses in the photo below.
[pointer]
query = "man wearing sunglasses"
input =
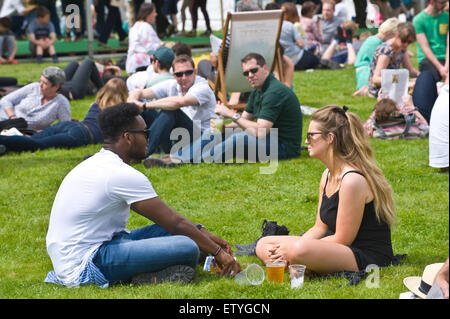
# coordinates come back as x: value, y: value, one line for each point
x: 183, y: 101
x: 272, y: 116
x: 87, y: 240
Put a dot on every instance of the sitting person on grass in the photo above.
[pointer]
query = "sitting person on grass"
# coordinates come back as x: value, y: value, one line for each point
x: 392, y: 54
x: 364, y: 56
x: 439, y: 131
x: 269, y: 128
x: 42, y: 35
x: 39, y: 103
x: 356, y: 204
x: 8, y: 45
x: 87, y: 239
x: 185, y: 102
x: 70, y: 134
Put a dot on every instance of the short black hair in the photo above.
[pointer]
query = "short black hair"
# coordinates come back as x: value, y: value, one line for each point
x: 116, y: 119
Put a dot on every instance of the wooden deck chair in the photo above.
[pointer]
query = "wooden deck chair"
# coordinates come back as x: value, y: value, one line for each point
x: 254, y: 31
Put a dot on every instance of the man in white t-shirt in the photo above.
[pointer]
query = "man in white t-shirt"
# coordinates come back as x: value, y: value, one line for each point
x: 184, y: 102
x: 87, y: 240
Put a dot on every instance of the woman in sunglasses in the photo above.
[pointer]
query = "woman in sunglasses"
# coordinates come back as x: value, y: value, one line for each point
x: 356, y: 206
x: 392, y: 54
x: 70, y: 134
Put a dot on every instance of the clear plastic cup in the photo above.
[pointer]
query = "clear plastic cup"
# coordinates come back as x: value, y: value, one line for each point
x: 297, y: 275
x: 252, y: 275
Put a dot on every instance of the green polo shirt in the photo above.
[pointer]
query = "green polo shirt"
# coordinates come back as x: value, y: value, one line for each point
x: 435, y: 29
x: 276, y: 103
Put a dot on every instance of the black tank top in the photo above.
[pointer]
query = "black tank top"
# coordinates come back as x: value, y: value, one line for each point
x: 373, y: 240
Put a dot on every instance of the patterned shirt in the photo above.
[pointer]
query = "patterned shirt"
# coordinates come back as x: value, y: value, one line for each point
x: 395, y: 62
x: 142, y: 39
x: 27, y: 103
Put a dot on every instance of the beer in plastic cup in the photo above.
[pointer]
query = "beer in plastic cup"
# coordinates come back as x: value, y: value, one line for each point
x: 218, y: 125
x: 275, y: 271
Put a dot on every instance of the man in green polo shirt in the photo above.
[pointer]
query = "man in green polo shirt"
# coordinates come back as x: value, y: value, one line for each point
x: 271, y: 105
x: 431, y: 27
x: 270, y: 127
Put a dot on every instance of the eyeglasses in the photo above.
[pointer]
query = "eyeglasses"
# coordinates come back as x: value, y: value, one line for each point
x: 145, y: 131
x: 180, y: 74
x: 309, y: 135
x: 252, y: 71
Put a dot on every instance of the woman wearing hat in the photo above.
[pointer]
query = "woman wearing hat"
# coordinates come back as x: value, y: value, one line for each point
x: 356, y: 206
x: 39, y: 103
x: 142, y: 39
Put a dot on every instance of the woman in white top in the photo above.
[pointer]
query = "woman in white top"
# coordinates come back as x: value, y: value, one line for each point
x: 142, y: 38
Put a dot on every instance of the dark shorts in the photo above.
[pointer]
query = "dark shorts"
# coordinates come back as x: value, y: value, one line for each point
x: 170, y: 7
x: 365, y: 257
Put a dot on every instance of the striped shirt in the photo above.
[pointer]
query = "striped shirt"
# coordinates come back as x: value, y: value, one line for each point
x: 90, y: 275
x: 27, y: 103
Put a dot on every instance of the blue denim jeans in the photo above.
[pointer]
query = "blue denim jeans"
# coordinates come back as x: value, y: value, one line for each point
x: 146, y: 249
x: 239, y: 144
x: 66, y: 134
x: 161, y: 125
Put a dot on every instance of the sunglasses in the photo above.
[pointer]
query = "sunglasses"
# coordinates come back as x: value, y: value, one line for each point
x: 180, y: 74
x: 145, y: 131
x: 252, y: 71
x: 309, y: 135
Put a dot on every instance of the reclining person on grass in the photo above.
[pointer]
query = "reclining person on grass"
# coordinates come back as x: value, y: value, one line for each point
x: 39, y: 103
x: 87, y: 240
x: 70, y: 134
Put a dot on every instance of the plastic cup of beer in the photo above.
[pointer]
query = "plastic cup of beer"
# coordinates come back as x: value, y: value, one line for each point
x: 275, y: 271
x: 297, y: 275
x: 218, y: 125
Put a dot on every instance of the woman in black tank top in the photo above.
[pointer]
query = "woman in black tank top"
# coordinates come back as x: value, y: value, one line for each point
x: 356, y: 207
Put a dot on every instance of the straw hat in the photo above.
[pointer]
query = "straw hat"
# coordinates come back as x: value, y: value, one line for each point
x: 421, y: 285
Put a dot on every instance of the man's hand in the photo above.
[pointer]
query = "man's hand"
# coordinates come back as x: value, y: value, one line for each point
x: 224, y: 111
x: 227, y: 264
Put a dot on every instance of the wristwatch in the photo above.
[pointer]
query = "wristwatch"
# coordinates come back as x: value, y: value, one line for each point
x: 236, y: 117
x: 144, y: 106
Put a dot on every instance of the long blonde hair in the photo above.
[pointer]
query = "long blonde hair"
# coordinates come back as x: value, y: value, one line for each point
x: 113, y: 92
x: 351, y: 145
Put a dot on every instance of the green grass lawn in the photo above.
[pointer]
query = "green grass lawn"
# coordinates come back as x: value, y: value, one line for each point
x: 232, y: 201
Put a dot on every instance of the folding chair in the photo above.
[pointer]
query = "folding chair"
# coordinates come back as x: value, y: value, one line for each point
x: 255, y: 31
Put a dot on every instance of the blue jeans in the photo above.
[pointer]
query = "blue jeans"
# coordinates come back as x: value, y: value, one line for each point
x: 239, y: 144
x: 425, y: 93
x: 146, y: 249
x: 66, y: 134
x: 161, y: 125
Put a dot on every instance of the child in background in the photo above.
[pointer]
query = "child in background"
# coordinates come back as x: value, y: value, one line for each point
x: 8, y: 45
x: 42, y: 35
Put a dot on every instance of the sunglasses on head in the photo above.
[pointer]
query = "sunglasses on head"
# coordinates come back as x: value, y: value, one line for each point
x: 180, y: 74
x: 145, y: 131
x: 252, y: 71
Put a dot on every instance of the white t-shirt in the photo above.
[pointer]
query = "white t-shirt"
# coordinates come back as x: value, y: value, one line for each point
x: 200, y: 90
x: 91, y: 206
x: 140, y: 79
x: 439, y: 131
